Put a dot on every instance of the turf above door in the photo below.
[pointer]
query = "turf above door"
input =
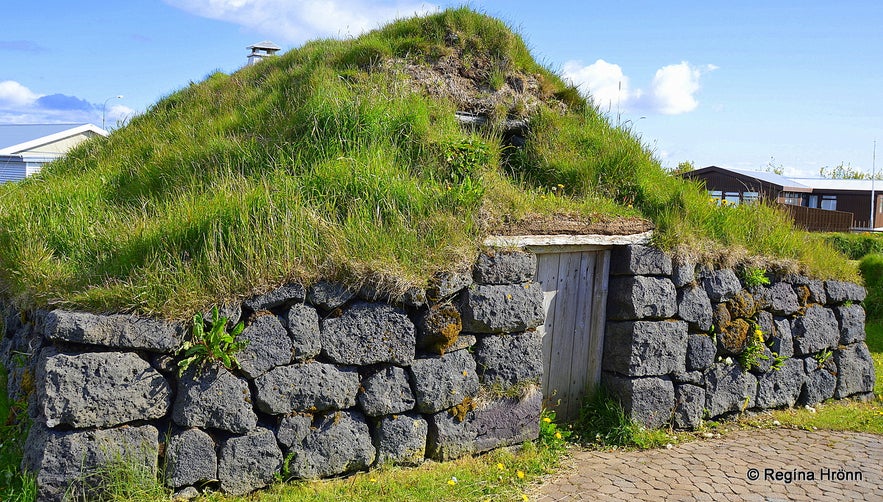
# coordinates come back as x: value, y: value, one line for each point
x: 574, y: 297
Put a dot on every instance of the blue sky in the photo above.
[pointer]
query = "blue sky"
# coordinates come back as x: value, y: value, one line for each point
x: 798, y: 84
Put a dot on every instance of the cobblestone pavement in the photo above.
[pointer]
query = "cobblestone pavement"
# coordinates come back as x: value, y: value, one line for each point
x: 751, y: 465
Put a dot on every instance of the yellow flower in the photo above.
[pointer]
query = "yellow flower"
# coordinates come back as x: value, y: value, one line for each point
x: 520, y: 474
x: 560, y: 185
x: 501, y: 467
x: 373, y: 480
x: 524, y: 497
x: 547, y: 420
x: 557, y: 435
x: 452, y: 481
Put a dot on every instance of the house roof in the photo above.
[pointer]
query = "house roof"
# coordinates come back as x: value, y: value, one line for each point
x: 266, y: 45
x: 829, y: 184
x: 787, y: 184
x: 17, y: 138
x: 798, y: 184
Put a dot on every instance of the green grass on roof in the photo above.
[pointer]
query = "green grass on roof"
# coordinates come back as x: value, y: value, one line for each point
x: 336, y: 161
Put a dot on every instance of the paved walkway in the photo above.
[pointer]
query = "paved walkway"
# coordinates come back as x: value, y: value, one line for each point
x: 751, y: 465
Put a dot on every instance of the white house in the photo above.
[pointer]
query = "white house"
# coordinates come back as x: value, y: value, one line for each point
x: 24, y: 148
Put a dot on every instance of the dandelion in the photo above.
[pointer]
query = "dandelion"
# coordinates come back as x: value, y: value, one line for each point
x: 452, y: 481
x: 524, y: 497
x: 557, y: 435
x: 520, y: 474
x: 547, y: 420
x: 373, y: 480
x: 500, y: 466
x: 560, y: 186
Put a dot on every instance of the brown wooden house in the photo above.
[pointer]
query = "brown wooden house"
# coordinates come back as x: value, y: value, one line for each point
x: 814, y: 203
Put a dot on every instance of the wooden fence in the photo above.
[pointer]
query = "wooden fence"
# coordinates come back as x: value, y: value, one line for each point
x: 819, y: 220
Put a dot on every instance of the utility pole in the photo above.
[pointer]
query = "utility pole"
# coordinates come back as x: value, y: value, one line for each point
x: 873, y: 176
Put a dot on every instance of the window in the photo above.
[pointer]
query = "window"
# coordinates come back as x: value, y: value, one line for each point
x: 732, y: 198
x: 813, y: 201
x: 791, y: 198
x: 749, y: 197
x: 829, y: 202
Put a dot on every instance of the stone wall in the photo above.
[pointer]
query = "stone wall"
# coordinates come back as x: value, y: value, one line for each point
x: 331, y: 381
x: 685, y: 344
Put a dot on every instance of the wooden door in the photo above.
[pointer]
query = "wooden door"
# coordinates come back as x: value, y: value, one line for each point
x: 575, y: 298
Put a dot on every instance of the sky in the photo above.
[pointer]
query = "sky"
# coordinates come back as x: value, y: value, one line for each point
x: 796, y: 85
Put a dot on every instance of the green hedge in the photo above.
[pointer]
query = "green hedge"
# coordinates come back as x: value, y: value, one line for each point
x: 855, y: 246
x: 871, y: 268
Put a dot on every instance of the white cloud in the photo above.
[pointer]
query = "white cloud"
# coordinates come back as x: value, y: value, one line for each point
x: 604, y: 82
x: 674, y: 88
x: 295, y: 21
x: 13, y: 94
x: 671, y: 92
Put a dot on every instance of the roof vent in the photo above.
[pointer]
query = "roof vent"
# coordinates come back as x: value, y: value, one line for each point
x: 261, y: 50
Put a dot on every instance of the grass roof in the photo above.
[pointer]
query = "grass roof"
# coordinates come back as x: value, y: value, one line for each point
x: 344, y: 159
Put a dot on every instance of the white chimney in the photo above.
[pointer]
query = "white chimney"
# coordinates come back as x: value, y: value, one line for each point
x: 261, y: 50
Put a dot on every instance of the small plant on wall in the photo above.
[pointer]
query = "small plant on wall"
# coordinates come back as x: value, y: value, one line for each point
x: 214, y: 344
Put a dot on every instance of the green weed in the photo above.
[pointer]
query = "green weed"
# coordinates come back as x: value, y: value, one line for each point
x: 216, y: 344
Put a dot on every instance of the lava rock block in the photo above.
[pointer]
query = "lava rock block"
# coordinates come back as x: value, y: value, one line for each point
x: 700, y: 352
x: 441, y: 382
x: 815, y: 288
x: 450, y: 437
x: 780, y: 299
x: 721, y: 285
x: 855, y: 370
x: 504, y: 267
x: 250, y: 462
x: 640, y: 297
x: 683, y: 274
x: 61, y: 459
x: 401, y: 439
x: 781, y: 388
x: 689, y: 406
x: 307, y: 387
x: 728, y: 388
x: 293, y: 429
x: 649, y: 401
x: 340, y: 443
x: 509, y: 359
x: 369, y: 333
x: 695, y: 307
x: 386, y: 392
x: 502, y: 309
x: 815, y: 331
x: 820, y: 382
x: 438, y: 328
x: 507, y: 421
x: 852, y: 323
x: 267, y: 345
x: 114, y: 331
x: 446, y: 284
x: 329, y: 295
x: 281, y: 296
x: 691, y: 377
x: 190, y: 459
x: 645, y: 348
x: 840, y: 292
x: 214, y: 398
x: 302, y: 322
x: 639, y: 260
x: 99, y: 389
x: 781, y: 341
x: 733, y: 337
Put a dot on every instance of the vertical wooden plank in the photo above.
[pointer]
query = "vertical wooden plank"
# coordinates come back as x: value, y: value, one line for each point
x: 547, y: 276
x: 565, y: 320
x: 599, y: 316
x: 579, y: 364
